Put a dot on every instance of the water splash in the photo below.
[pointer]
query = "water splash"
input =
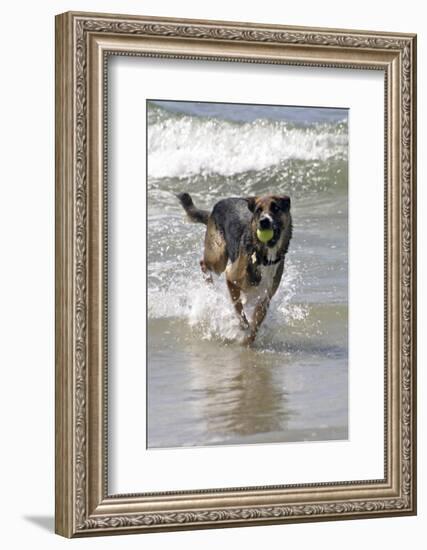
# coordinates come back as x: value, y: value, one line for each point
x: 207, y: 308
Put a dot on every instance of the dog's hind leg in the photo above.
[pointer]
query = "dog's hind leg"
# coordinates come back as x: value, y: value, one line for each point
x: 206, y: 272
x: 215, y: 255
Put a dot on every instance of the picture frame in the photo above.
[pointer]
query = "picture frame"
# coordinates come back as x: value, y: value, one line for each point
x: 84, y: 42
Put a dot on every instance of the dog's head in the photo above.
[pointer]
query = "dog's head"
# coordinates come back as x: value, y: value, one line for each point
x: 271, y: 212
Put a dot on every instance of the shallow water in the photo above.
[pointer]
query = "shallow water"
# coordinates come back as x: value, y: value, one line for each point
x: 204, y: 388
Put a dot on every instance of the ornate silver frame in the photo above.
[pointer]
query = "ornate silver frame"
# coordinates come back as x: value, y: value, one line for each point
x: 83, y: 42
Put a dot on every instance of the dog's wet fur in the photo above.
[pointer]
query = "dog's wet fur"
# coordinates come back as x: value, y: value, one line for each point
x: 252, y: 268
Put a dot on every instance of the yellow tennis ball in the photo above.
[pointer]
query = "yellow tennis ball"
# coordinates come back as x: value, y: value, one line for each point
x: 264, y: 235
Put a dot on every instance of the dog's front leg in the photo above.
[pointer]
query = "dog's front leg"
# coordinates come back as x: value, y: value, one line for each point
x: 258, y: 317
x: 238, y: 306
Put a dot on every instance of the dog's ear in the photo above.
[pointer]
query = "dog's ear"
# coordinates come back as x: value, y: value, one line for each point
x: 251, y: 203
x: 284, y: 203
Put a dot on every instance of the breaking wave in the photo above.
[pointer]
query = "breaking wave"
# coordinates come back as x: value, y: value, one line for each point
x: 181, y: 145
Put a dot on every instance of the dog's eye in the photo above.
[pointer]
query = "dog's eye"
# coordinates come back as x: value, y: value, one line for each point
x: 274, y: 208
x: 257, y: 210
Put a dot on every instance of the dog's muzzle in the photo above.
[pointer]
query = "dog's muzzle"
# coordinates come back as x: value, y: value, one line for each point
x: 265, y: 222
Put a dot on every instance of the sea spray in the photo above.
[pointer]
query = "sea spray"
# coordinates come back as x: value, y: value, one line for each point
x: 183, y: 145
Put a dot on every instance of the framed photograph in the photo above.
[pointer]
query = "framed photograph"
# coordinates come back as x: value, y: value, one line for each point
x: 235, y: 274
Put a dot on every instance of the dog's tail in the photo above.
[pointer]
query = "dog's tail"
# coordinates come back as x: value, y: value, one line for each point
x: 195, y: 214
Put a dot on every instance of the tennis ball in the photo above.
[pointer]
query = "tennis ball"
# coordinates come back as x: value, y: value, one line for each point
x: 264, y: 235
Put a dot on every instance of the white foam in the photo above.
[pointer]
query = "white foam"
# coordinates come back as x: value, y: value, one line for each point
x: 208, y: 310
x: 186, y: 145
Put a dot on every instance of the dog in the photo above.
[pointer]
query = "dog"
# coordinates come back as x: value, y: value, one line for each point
x: 253, y: 269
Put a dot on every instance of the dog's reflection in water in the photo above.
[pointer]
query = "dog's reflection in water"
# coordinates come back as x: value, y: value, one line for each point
x: 240, y: 400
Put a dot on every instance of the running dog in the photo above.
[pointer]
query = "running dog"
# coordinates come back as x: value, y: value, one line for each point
x: 233, y: 244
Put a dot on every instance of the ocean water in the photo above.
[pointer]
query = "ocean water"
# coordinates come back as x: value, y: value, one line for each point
x: 204, y: 387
